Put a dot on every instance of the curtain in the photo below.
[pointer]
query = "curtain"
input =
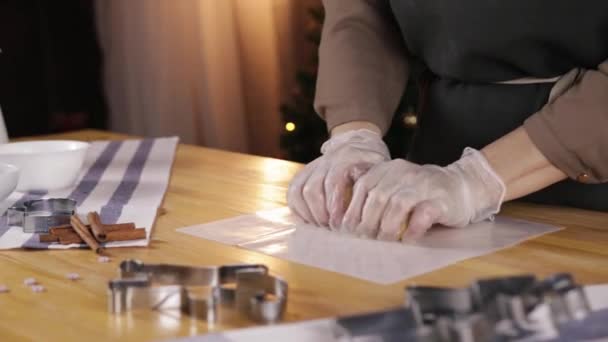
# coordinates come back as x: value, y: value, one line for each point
x: 213, y: 72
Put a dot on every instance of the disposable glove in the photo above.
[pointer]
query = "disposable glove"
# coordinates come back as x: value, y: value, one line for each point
x: 399, y: 200
x: 319, y: 193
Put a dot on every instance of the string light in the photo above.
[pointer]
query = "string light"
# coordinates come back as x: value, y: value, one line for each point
x: 410, y: 120
x: 290, y: 127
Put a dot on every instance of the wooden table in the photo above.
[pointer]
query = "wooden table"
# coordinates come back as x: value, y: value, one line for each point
x: 208, y: 185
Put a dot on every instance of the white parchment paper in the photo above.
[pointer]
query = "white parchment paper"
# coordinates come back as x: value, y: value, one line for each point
x: 279, y: 233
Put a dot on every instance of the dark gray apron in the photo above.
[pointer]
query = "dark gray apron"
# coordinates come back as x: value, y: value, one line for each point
x: 470, y: 45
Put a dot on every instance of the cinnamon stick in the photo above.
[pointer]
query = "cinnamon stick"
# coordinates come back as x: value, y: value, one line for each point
x: 97, y: 227
x: 48, y: 238
x: 68, y: 239
x: 119, y: 226
x: 64, y: 239
x: 66, y: 226
x: 126, y: 235
x: 84, y: 234
x: 116, y: 235
x: 61, y: 230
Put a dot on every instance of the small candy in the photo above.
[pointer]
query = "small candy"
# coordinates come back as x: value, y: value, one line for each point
x: 37, y: 288
x: 30, y: 281
x: 103, y: 259
x: 73, y: 276
x: 4, y: 288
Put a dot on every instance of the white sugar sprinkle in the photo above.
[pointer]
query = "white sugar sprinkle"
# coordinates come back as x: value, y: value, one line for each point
x: 4, y: 289
x: 38, y: 288
x: 103, y: 259
x: 30, y: 281
x: 73, y: 276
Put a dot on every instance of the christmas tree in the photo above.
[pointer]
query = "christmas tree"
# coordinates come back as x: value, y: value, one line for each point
x: 305, y: 131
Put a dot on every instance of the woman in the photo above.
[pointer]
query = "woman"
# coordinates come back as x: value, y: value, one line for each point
x: 516, y: 86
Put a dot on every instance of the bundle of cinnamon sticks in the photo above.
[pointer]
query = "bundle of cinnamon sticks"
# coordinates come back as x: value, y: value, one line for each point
x: 94, y: 233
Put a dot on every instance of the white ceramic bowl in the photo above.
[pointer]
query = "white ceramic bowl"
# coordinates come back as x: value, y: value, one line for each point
x: 9, y: 176
x: 45, y: 164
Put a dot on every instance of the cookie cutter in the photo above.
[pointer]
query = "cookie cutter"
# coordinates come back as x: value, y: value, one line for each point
x: 204, y: 293
x: 447, y: 314
x: 506, y: 299
x: 566, y: 299
x: 37, y: 216
x: 495, y: 308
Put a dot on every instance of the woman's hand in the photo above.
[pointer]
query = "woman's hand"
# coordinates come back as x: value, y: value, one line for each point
x: 319, y: 193
x: 393, y: 192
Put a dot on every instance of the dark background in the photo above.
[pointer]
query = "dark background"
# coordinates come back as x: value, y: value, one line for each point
x: 50, y: 67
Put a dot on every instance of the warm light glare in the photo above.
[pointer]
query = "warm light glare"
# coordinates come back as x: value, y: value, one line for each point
x: 276, y: 171
x: 276, y: 176
x: 276, y: 215
x: 275, y: 248
x: 290, y: 127
x: 410, y: 120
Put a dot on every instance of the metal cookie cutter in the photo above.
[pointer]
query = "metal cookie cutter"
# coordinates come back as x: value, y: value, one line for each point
x: 567, y: 300
x: 507, y: 303
x: 248, y: 289
x: 497, y: 309
x: 505, y: 298
x: 428, y: 303
x: 447, y: 314
x: 37, y: 216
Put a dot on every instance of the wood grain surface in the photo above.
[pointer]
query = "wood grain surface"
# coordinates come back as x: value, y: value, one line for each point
x: 208, y: 185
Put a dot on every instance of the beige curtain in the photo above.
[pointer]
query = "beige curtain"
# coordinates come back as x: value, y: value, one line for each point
x: 213, y: 72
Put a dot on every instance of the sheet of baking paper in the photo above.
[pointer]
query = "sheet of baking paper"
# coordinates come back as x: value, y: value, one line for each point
x: 279, y: 233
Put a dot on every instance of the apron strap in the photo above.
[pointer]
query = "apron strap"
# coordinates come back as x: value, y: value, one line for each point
x: 562, y: 83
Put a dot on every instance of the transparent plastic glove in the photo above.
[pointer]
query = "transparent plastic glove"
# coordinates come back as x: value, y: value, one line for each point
x: 399, y: 200
x: 319, y: 192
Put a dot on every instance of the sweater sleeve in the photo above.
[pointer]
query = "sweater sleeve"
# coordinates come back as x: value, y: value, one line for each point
x: 572, y: 130
x: 363, y: 66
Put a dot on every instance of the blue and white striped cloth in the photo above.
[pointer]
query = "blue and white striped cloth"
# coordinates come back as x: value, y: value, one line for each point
x: 125, y: 181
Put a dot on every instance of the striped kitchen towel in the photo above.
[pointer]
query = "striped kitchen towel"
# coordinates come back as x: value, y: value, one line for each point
x: 125, y: 181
